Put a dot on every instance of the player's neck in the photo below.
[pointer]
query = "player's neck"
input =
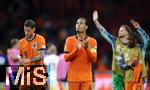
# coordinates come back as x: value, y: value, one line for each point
x: 31, y: 37
x: 81, y: 36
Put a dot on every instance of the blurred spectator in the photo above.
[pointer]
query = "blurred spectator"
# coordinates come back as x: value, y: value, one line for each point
x: 13, y: 57
x: 62, y: 71
x: 51, y: 61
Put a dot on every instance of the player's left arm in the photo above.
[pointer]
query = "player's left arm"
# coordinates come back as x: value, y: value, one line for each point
x: 24, y: 61
x: 143, y: 34
x: 91, y: 49
x: 41, y: 50
x: 40, y: 56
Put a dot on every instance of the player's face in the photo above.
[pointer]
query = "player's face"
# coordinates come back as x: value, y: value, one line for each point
x: 81, y: 25
x: 131, y: 41
x: 122, y: 32
x: 28, y: 31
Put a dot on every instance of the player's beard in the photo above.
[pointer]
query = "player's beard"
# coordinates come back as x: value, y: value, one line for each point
x: 29, y: 37
x: 78, y: 31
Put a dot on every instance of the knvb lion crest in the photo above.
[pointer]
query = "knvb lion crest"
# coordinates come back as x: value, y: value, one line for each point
x: 34, y: 45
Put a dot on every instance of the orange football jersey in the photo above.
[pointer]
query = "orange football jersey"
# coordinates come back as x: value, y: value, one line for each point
x: 30, y: 49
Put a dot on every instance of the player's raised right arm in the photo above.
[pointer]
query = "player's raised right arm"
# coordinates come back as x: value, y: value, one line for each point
x: 97, y: 23
x: 110, y: 38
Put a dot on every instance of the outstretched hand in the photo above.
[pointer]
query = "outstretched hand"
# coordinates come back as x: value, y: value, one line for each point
x: 95, y: 15
x: 135, y: 24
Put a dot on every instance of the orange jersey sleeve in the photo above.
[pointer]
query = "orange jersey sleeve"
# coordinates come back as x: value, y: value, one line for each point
x: 67, y: 46
x: 23, y: 48
x: 41, y: 43
x: 70, y: 49
x: 92, y: 50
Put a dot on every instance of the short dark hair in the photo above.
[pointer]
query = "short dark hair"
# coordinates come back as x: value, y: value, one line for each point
x: 29, y: 23
x: 86, y: 21
x: 133, y: 35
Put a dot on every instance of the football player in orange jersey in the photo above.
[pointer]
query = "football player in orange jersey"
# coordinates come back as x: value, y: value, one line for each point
x: 80, y: 51
x: 32, y: 49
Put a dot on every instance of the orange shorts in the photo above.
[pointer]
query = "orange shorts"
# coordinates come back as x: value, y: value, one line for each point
x: 85, y: 85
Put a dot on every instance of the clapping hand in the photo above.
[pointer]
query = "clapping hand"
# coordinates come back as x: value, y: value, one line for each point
x: 85, y: 44
x: 79, y: 44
